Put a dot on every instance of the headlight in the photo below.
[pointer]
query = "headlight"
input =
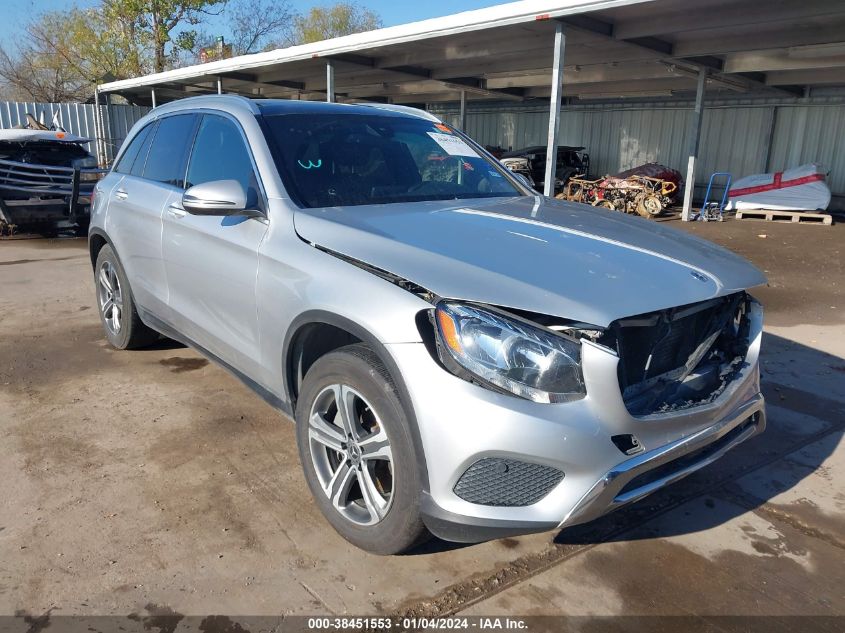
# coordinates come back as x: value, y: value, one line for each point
x: 528, y: 361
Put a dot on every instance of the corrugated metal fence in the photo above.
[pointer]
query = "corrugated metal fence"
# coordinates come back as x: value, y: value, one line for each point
x: 741, y: 137
x: 79, y: 119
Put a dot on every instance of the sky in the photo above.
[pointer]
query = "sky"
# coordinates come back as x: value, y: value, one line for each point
x: 16, y: 13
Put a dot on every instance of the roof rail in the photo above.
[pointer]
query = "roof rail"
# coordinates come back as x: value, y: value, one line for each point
x: 422, y: 114
x: 209, y: 100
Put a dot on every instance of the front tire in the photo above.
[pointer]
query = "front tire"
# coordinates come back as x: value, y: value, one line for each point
x: 118, y: 313
x: 357, y: 452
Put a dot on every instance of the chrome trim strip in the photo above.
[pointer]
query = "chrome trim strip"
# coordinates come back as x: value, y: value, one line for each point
x: 605, y: 494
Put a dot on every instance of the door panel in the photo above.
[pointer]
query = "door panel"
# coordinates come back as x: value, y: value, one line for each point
x: 134, y: 219
x: 212, y: 264
x: 212, y: 261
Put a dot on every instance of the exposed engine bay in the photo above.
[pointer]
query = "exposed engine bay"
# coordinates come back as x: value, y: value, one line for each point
x: 675, y: 358
x: 681, y: 357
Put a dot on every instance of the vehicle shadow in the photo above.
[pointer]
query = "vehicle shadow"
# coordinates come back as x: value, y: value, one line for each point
x: 164, y: 344
x: 805, y: 397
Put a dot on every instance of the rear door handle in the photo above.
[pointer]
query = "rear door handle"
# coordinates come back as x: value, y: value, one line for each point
x: 121, y: 194
x: 176, y: 211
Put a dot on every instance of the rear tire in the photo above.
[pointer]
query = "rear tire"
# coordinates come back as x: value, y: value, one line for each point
x: 118, y: 313
x: 361, y: 466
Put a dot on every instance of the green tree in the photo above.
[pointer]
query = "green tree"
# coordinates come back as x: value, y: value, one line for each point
x: 63, y: 53
x: 167, y: 24
x: 342, y: 18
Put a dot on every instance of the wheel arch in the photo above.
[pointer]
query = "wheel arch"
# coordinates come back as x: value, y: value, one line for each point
x: 97, y: 239
x: 330, y: 331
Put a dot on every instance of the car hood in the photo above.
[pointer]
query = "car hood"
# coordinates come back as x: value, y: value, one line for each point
x: 533, y: 253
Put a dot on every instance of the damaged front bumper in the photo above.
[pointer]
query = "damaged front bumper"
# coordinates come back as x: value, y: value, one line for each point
x: 462, y: 425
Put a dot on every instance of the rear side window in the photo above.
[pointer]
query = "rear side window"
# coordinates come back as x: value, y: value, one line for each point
x: 221, y: 154
x: 124, y: 165
x: 137, y: 168
x: 169, y: 150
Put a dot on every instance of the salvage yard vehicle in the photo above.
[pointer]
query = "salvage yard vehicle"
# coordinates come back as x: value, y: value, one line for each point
x: 46, y: 177
x: 570, y: 161
x: 461, y: 356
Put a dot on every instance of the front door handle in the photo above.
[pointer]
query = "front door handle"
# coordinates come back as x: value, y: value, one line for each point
x: 176, y: 211
x: 121, y: 194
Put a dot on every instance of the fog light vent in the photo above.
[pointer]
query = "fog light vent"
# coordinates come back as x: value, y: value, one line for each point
x: 506, y: 482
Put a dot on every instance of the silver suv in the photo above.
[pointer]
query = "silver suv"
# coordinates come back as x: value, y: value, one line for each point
x: 461, y: 356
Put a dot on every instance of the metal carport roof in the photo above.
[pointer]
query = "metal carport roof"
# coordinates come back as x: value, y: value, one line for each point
x: 613, y: 48
x: 544, y: 50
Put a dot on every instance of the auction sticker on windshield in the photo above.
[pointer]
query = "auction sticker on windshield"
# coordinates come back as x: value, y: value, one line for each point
x: 453, y: 145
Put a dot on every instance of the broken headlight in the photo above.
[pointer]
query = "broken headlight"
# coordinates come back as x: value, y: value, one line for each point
x: 512, y: 354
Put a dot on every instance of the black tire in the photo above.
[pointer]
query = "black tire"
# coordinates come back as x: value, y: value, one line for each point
x: 359, y: 369
x: 131, y: 333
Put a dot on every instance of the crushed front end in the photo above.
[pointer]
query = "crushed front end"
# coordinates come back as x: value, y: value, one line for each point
x: 665, y: 393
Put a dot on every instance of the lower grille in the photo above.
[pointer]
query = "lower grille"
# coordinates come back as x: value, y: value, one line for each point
x: 506, y: 482
x: 688, y: 460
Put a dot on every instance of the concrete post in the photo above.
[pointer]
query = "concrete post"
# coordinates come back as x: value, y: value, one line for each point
x: 694, y: 144
x: 554, y: 110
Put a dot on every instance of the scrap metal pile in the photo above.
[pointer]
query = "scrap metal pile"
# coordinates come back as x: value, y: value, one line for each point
x: 643, y: 195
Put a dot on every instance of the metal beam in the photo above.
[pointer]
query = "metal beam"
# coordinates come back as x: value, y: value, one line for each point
x: 782, y: 78
x: 816, y: 32
x: 554, y: 110
x: 254, y: 79
x: 670, y: 52
x: 330, y: 82
x: 695, y: 18
x: 98, y: 136
x: 780, y: 59
x: 153, y: 96
x: 470, y: 84
x: 694, y: 145
x: 463, y: 122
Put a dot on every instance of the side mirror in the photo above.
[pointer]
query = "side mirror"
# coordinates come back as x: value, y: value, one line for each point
x: 521, y: 178
x: 219, y: 197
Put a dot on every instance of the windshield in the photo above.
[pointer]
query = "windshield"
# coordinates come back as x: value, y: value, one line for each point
x: 329, y: 160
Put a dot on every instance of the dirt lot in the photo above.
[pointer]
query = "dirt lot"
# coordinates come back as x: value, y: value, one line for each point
x: 153, y: 483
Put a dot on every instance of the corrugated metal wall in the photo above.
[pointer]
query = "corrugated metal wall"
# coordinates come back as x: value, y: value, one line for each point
x: 77, y: 118
x: 741, y: 137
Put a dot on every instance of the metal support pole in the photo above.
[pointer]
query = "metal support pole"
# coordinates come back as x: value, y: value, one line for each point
x: 219, y: 86
x: 97, y: 134
x: 694, y: 143
x: 153, y: 94
x: 554, y: 111
x: 330, y: 82
x: 463, y: 121
x: 108, y: 148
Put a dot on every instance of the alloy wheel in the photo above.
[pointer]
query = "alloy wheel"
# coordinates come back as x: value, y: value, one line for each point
x: 110, y: 297
x: 351, y: 454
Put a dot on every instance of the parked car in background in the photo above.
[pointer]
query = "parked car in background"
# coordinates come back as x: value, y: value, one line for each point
x: 461, y: 356
x: 46, y: 178
x: 571, y: 161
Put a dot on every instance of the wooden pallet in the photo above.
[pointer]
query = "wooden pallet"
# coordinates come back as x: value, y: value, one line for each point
x: 807, y: 217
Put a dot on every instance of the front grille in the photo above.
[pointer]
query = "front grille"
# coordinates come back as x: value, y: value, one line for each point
x: 506, y: 482
x: 677, y: 357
